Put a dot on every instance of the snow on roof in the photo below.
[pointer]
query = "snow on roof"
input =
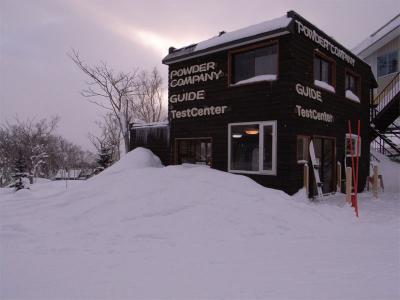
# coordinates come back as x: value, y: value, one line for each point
x: 377, y: 35
x: 228, y: 37
x: 249, y: 31
x: 73, y: 173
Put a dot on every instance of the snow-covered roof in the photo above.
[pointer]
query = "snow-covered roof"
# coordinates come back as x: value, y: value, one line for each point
x: 72, y: 174
x: 378, y: 35
x: 230, y: 38
x: 252, y: 30
x: 147, y: 125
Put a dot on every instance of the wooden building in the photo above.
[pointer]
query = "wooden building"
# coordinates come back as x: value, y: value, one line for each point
x: 250, y: 101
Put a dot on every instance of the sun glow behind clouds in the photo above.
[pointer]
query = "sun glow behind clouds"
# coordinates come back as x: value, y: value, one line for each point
x: 136, y: 34
x: 148, y: 39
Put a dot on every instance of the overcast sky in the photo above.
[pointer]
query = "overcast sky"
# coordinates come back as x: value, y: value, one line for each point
x: 37, y: 79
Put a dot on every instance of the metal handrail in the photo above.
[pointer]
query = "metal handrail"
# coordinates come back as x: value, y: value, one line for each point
x: 380, y: 146
x: 394, y: 133
x: 373, y: 157
x: 387, y: 94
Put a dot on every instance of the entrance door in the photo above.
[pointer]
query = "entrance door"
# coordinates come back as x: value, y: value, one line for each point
x: 193, y: 151
x: 325, y: 155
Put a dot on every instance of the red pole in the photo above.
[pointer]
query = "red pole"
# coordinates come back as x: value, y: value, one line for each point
x: 354, y: 172
x: 352, y: 161
x: 358, y: 159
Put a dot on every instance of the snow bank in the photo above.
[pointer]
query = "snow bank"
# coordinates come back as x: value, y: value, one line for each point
x: 139, y: 231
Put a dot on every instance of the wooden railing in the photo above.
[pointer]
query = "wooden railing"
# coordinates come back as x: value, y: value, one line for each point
x: 387, y: 94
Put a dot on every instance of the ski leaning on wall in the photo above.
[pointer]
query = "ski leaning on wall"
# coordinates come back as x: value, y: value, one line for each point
x: 315, y: 166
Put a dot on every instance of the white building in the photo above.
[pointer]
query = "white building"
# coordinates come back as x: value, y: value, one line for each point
x: 381, y: 50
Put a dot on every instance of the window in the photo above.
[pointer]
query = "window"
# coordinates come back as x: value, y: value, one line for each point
x: 252, y: 147
x: 324, y: 72
x: 353, y: 140
x: 193, y: 151
x: 303, y: 143
x: 259, y: 64
x: 352, y: 86
x: 387, y: 63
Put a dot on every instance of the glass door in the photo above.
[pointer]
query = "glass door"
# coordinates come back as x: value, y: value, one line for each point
x: 193, y: 151
x: 325, y: 156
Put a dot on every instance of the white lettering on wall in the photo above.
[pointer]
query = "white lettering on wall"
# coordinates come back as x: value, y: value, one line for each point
x: 198, y: 112
x: 309, y: 92
x: 188, y: 96
x: 194, y: 74
x: 313, y: 114
x: 324, y: 43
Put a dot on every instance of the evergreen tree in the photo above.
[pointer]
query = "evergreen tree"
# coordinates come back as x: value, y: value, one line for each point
x: 20, y: 176
x: 105, y: 158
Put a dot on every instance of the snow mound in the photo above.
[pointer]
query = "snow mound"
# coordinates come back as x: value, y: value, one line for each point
x: 190, y: 232
x: 138, y: 158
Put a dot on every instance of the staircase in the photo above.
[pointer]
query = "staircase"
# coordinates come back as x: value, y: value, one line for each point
x: 385, y: 133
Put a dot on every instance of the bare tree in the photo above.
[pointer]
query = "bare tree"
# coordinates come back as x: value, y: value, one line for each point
x: 148, y: 101
x: 41, y: 149
x: 117, y: 89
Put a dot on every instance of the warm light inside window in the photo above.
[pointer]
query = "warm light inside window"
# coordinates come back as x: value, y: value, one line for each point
x: 251, y: 131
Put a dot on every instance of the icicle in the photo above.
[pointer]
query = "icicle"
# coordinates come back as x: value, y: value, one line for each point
x: 159, y: 132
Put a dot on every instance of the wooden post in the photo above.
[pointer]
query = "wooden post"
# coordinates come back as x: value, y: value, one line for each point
x: 348, y: 184
x: 306, y: 178
x: 375, y: 182
x: 339, y: 177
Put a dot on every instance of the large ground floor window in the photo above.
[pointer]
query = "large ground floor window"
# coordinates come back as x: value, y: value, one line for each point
x: 252, y: 147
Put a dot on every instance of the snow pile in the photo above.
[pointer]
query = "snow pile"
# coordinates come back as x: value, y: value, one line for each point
x: 138, y: 158
x: 249, y: 31
x: 142, y: 231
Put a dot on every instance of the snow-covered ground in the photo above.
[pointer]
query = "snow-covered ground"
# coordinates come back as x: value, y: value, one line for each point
x: 142, y: 231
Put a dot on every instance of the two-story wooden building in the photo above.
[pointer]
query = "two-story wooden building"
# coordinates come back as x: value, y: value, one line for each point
x: 250, y: 101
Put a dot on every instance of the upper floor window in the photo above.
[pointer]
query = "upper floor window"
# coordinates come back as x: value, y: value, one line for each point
x: 256, y: 64
x: 352, y: 86
x: 324, y: 72
x: 387, y: 63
